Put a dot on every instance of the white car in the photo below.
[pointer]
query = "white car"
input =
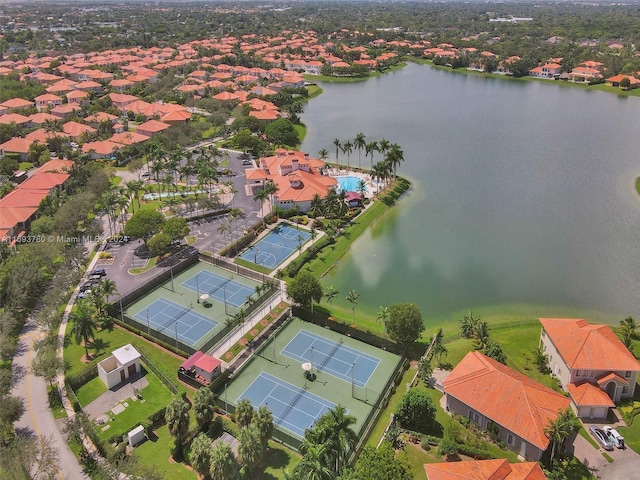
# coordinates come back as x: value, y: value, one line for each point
x: 614, y: 436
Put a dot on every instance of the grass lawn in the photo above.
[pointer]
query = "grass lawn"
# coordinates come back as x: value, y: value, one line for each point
x: 107, y: 341
x: 90, y: 391
x: 155, y: 396
x: 632, y: 434
x: 157, y: 452
x: 638, y: 185
x: 150, y: 264
x: 383, y: 420
x: 301, y: 131
x: 417, y: 457
x: 55, y: 403
x: 279, y: 459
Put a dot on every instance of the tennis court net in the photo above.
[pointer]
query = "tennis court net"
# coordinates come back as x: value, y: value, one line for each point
x: 291, y: 406
x: 175, y: 318
x: 331, y: 354
x: 222, y: 285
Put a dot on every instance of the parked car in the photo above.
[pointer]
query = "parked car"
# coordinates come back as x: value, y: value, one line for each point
x: 614, y: 436
x: 601, y: 437
x: 85, y: 287
x: 99, y: 271
x: 85, y: 293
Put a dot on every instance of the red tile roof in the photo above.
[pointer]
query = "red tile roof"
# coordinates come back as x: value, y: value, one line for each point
x: 593, y: 347
x: 509, y: 398
x: 589, y: 395
x: 499, y: 469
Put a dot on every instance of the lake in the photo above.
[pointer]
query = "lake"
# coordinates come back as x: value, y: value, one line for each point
x: 523, y: 199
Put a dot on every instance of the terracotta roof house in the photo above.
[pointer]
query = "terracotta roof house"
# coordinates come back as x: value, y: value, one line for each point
x: 151, y: 127
x: 14, y: 104
x: 14, y: 118
x: 75, y: 129
x: 66, y: 110
x: 16, y: 145
x: 589, y: 360
x: 616, y: 79
x: 96, y: 118
x: 548, y: 70
x: 129, y: 138
x: 492, y: 395
x: 498, y: 469
x: 297, y: 176
x: 41, y: 117
x: 104, y: 149
x: 47, y: 100
x: 176, y: 116
x: 42, y: 136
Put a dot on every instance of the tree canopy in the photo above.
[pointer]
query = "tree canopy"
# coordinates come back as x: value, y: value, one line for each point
x: 143, y: 224
x: 404, y: 323
x: 304, y: 288
x: 416, y: 411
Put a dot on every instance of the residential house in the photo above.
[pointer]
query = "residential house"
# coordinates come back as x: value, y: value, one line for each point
x: 584, y: 75
x: 498, y: 469
x: 47, y: 100
x: 616, y: 79
x: 16, y: 145
x: 18, y: 208
x: 122, y: 364
x: 151, y: 127
x: 14, y: 104
x: 513, y: 407
x: 548, y: 70
x: 590, y: 362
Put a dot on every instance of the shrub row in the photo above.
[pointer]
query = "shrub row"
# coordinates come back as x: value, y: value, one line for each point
x: 312, y: 252
x: 151, y: 338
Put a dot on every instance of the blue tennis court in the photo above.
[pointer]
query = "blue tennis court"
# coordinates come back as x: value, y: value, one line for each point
x: 219, y: 288
x: 293, y: 408
x: 333, y: 358
x: 170, y: 318
x: 271, y: 250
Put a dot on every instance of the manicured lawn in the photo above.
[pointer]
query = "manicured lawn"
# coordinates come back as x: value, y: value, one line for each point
x: 157, y: 452
x: 108, y: 341
x: 632, y: 434
x: 279, y: 459
x: 90, y: 391
x: 418, y: 457
x: 155, y: 396
x: 383, y: 420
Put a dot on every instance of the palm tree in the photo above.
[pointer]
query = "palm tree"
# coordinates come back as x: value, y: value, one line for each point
x: 560, y: 429
x: 244, y: 413
x: 362, y: 188
x: 383, y: 147
x: 84, y: 324
x: 352, y: 297
x: 204, y: 407
x: 250, y: 449
x: 378, y: 173
x: 235, y: 214
x: 359, y: 143
x: 133, y: 188
x: 200, y: 452
x: 330, y: 294
x: 263, y: 422
x: 395, y: 157
x: 261, y: 196
x: 627, y: 331
x: 335, y: 431
x: 480, y: 335
x: 323, y: 154
x: 224, y: 228
x: 271, y: 188
x: 467, y: 324
x: 383, y: 314
x: 313, y: 465
x: 347, y: 147
x: 336, y: 142
x: 316, y: 205
x: 177, y: 418
x: 222, y: 464
x: 370, y: 148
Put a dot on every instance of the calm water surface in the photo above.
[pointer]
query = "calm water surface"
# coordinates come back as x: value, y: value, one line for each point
x: 523, y: 198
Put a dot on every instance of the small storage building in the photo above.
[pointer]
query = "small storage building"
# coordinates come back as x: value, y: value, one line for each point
x: 123, y: 363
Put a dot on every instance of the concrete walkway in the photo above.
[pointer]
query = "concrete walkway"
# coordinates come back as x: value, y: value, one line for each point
x: 38, y: 420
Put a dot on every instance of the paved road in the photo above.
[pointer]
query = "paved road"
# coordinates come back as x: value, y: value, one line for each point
x: 38, y: 419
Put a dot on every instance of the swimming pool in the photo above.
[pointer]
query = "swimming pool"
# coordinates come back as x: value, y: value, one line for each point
x: 349, y: 183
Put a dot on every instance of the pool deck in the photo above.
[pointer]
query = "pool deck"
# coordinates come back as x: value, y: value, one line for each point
x: 337, y: 172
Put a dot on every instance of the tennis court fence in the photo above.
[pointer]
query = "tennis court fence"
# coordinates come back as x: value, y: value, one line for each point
x: 288, y: 439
